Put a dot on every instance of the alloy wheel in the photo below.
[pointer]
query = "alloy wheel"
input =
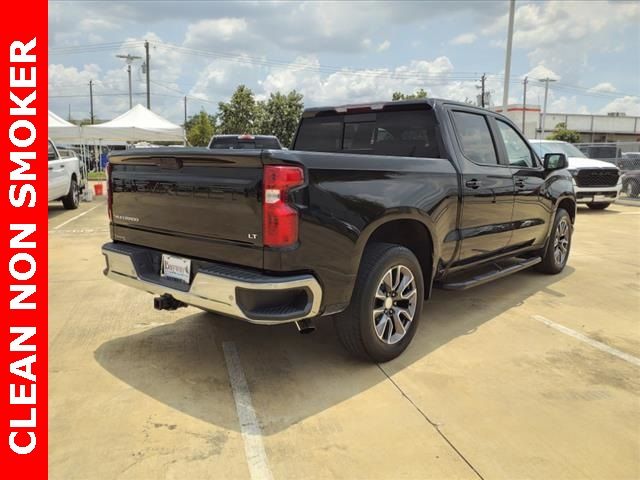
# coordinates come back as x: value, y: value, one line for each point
x: 561, y: 242
x: 394, y: 307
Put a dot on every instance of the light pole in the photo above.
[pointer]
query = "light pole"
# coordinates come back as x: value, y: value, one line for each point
x: 524, y: 104
x: 129, y: 59
x: 544, y: 110
x: 507, y: 62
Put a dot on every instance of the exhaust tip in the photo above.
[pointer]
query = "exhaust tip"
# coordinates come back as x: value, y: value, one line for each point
x: 305, y: 326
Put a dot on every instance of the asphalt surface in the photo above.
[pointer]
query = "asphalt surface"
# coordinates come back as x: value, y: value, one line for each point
x: 531, y: 376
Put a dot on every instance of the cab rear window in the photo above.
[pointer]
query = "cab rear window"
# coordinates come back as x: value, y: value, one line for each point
x: 406, y: 133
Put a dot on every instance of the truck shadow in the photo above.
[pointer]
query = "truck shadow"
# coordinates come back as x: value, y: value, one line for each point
x: 291, y: 377
x: 587, y: 211
x: 55, y: 210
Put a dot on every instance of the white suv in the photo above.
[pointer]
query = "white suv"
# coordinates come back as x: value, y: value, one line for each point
x: 597, y: 183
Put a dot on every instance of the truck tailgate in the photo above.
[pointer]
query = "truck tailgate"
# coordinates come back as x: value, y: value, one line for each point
x: 192, y: 202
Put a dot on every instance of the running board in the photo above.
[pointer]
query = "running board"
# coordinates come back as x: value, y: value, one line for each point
x: 494, y: 272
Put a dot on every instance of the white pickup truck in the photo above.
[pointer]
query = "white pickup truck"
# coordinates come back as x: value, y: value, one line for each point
x: 596, y: 183
x: 65, y: 179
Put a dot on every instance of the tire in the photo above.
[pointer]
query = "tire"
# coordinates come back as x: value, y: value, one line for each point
x: 598, y: 205
x: 632, y: 188
x: 372, y: 304
x: 71, y: 200
x: 552, y: 262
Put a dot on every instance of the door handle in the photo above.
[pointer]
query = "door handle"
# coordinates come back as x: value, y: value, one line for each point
x: 61, y: 166
x: 472, y: 183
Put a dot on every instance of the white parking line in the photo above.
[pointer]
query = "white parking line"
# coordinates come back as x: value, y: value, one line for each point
x: 76, y: 217
x: 249, y: 426
x: 589, y: 341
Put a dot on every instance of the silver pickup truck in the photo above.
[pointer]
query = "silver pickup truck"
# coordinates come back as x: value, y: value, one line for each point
x: 66, y: 181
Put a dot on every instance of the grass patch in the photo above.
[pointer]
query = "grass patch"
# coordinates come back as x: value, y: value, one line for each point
x: 97, y: 176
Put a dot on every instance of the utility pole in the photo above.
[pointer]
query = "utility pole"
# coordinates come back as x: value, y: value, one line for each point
x: 69, y: 115
x: 148, y: 72
x: 185, y: 111
x: 91, y: 99
x: 482, y: 90
x: 524, y: 103
x: 544, y: 110
x: 507, y: 63
x: 129, y: 59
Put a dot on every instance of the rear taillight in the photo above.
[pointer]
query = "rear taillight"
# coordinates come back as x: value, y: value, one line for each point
x: 109, y: 192
x: 280, y: 220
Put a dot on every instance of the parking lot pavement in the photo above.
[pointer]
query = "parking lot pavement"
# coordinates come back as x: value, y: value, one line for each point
x: 514, y: 379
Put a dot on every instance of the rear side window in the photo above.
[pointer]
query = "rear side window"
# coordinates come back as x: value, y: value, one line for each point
x: 475, y: 137
x: 407, y: 133
x: 320, y: 134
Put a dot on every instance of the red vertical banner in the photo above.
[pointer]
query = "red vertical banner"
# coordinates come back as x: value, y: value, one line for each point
x: 23, y: 227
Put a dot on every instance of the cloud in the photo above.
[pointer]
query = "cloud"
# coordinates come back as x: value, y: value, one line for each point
x: 540, y: 72
x: 464, y: 39
x: 206, y: 33
x: 627, y: 104
x: 305, y: 74
x: 564, y: 35
x: 384, y: 46
x: 606, y: 87
x: 299, y: 27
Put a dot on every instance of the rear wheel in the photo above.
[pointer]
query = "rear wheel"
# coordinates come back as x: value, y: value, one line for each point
x: 598, y: 205
x: 385, y: 308
x: 71, y: 200
x: 556, y: 254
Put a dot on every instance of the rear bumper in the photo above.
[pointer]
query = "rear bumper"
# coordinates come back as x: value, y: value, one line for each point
x: 238, y: 292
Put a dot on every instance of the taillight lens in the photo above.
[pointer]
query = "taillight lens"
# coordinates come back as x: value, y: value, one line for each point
x: 109, y: 191
x: 279, y: 220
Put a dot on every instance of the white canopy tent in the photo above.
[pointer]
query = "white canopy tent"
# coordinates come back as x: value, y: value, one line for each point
x: 138, y: 124
x: 61, y: 130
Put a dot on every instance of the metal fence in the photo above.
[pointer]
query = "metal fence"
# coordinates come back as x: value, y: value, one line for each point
x: 625, y: 155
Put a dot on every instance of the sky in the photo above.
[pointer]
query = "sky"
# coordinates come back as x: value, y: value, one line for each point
x: 342, y: 52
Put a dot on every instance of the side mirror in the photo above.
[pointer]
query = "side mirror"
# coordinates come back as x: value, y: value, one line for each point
x: 52, y: 156
x: 555, y: 161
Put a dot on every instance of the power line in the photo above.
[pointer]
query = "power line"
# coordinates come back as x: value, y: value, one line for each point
x: 83, y: 95
x: 90, y: 48
x: 374, y: 73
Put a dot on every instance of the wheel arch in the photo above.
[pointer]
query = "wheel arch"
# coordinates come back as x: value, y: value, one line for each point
x: 568, y: 204
x: 407, y: 231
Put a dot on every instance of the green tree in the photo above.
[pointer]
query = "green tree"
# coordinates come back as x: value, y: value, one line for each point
x: 410, y: 96
x: 562, y: 133
x: 280, y: 115
x: 238, y: 115
x: 200, y: 128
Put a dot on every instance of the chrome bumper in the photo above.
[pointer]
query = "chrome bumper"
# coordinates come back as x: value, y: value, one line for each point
x: 216, y: 287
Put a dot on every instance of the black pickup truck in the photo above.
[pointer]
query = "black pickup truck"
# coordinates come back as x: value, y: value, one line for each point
x: 373, y: 207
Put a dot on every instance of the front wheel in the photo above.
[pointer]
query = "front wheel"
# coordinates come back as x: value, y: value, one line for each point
x: 632, y: 188
x: 71, y: 200
x: 385, y: 308
x: 556, y: 254
x: 598, y: 205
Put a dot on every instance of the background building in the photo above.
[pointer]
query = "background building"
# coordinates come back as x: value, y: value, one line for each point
x: 613, y: 127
